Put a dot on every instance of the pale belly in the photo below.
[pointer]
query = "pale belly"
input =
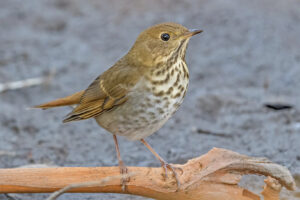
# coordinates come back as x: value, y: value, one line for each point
x: 145, y: 111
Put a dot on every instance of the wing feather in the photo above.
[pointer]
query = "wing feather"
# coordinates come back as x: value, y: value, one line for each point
x: 106, y: 92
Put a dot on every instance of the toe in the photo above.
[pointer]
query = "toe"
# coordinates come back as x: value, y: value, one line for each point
x: 171, y: 168
x: 124, y: 179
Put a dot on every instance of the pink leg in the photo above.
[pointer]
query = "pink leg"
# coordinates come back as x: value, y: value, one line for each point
x: 123, y: 168
x: 164, y: 164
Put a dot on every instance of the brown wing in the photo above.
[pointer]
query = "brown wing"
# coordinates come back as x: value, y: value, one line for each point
x: 106, y: 92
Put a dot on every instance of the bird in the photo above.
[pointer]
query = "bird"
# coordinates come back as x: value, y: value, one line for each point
x: 137, y: 95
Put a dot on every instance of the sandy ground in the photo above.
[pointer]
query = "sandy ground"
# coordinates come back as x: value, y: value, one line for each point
x: 248, y: 55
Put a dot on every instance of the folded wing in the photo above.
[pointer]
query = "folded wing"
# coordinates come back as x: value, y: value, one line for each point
x: 108, y: 91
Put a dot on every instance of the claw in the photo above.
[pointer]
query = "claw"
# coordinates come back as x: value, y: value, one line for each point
x: 123, y: 172
x: 164, y: 164
x: 167, y: 166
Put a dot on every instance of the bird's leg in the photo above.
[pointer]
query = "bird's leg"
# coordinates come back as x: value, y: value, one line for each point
x: 123, y: 168
x: 164, y: 164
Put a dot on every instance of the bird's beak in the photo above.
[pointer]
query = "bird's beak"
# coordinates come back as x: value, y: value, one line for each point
x: 191, y: 32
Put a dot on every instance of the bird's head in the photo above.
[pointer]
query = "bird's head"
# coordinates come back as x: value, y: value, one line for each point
x: 160, y: 42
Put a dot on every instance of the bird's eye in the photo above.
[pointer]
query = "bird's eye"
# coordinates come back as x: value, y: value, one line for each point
x: 165, y: 36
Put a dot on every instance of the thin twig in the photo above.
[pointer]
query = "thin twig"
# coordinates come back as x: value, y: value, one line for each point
x: 207, y: 132
x: 12, y: 196
x: 103, y: 181
x: 26, y: 83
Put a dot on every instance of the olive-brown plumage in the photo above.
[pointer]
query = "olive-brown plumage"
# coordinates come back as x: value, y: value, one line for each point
x: 140, y: 92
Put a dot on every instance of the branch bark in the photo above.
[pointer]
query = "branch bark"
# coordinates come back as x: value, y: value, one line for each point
x: 213, y: 176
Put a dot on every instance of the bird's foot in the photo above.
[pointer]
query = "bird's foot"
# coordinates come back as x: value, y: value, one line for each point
x: 125, y: 178
x: 172, y: 168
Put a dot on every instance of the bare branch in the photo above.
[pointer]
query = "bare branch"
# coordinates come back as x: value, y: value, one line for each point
x: 213, y: 176
x: 102, y: 182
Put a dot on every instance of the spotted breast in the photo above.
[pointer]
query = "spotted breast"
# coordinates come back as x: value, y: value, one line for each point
x: 153, y: 100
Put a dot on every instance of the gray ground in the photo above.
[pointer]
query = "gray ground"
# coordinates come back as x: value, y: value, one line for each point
x: 248, y: 55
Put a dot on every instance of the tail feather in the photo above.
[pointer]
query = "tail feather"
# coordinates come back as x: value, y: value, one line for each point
x: 65, y: 101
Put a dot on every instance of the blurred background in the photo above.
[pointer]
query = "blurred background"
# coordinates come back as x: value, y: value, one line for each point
x: 247, y: 56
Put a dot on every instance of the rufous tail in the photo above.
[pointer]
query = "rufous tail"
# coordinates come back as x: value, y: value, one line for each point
x: 65, y: 101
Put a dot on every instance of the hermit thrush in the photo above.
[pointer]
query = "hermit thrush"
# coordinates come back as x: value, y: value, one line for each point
x: 141, y: 91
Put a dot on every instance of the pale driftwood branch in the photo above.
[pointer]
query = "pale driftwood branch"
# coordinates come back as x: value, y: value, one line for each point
x: 100, y: 183
x: 213, y: 176
x: 271, y: 189
x: 26, y: 83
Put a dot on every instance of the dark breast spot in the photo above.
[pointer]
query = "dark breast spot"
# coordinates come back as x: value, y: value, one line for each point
x: 184, y: 93
x: 143, y: 119
x: 160, y: 110
x: 169, y: 91
x: 176, y: 95
x: 142, y: 105
x: 177, y: 80
x: 155, y: 121
x: 161, y: 81
x: 148, y: 89
x: 159, y: 94
x: 182, y: 89
x: 185, y: 72
x: 161, y: 71
x: 158, y: 73
x: 177, y: 105
x: 172, y: 72
x: 167, y: 103
x: 151, y: 113
x: 180, y: 71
